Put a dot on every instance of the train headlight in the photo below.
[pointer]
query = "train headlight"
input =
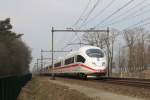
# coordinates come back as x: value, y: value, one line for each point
x: 93, y: 63
x: 103, y: 63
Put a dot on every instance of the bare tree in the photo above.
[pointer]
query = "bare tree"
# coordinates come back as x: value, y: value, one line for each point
x: 130, y: 38
x: 135, y: 42
x: 96, y: 39
x: 148, y: 51
x: 110, y: 40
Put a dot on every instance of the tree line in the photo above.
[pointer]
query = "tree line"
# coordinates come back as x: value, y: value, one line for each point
x: 15, y: 55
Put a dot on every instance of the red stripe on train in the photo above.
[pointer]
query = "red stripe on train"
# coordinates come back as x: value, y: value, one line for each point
x: 87, y: 67
x: 68, y: 66
x: 75, y: 65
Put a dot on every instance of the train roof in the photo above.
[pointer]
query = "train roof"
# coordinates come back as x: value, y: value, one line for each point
x: 88, y: 47
x: 77, y: 52
x: 82, y: 49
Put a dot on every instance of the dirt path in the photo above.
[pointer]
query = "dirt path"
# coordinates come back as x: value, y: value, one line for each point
x: 92, y: 92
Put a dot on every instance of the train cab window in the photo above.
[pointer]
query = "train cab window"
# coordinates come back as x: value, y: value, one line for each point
x: 57, y: 64
x: 69, y: 61
x: 80, y: 59
x: 95, y: 53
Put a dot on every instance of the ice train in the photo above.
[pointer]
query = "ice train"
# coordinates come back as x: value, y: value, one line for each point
x: 88, y: 61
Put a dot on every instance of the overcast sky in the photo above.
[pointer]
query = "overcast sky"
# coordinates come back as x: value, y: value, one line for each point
x: 34, y: 18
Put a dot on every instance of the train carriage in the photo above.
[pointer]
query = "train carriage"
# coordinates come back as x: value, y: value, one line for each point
x: 86, y: 62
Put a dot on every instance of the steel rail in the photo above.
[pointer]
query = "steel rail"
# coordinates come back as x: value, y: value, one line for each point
x: 144, y: 83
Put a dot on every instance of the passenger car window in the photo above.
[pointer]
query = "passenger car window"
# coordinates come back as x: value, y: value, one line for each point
x: 80, y: 59
x: 69, y: 61
x: 57, y: 64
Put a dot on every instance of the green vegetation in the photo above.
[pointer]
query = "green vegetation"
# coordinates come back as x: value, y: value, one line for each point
x: 15, y: 56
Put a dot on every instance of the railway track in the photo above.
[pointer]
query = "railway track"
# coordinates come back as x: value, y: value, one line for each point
x: 142, y: 83
x: 134, y: 82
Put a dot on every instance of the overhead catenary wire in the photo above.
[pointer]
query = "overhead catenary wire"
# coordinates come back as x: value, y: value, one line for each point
x: 135, y: 14
x: 127, y: 18
x: 101, y: 12
x: 129, y: 15
x: 145, y: 24
x: 85, y: 9
x: 90, y: 12
x: 128, y: 10
x: 71, y: 40
x: 86, y: 18
x: 79, y: 30
x: 80, y: 19
x: 118, y: 10
x: 138, y: 23
x: 108, y: 17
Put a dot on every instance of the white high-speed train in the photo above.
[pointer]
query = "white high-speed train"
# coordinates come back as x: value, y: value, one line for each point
x: 86, y: 62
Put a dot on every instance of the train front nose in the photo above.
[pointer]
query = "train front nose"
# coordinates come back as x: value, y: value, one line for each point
x: 96, y: 60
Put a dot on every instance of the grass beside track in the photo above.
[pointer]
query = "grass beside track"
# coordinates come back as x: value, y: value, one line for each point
x: 39, y: 88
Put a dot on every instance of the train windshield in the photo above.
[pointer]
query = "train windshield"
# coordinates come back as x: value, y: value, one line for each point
x: 97, y: 53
